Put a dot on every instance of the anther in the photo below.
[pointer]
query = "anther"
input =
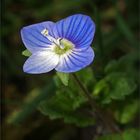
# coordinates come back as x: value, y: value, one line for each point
x: 45, y: 32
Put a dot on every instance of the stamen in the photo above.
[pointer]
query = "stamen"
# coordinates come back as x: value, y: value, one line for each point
x: 45, y: 32
x: 61, y: 45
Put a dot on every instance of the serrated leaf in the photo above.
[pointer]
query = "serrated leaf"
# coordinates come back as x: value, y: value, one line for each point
x: 26, y: 53
x: 77, y: 117
x: 66, y: 105
x: 120, y: 85
x: 114, y: 86
x: 127, y: 64
x: 72, y: 93
x: 64, y: 77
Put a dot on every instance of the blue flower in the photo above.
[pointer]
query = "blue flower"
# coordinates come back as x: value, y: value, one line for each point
x: 63, y: 46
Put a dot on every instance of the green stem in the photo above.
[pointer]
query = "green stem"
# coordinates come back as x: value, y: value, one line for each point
x: 100, y: 114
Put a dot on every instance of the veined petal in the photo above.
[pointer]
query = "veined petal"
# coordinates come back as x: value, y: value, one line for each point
x: 76, y: 60
x: 41, y: 62
x: 32, y: 37
x: 78, y: 28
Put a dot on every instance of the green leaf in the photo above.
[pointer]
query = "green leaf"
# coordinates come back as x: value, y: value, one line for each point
x: 64, y: 77
x: 70, y: 94
x: 120, y: 85
x: 114, y: 86
x: 26, y: 53
x: 127, y: 112
x: 110, y: 137
x: 87, y: 77
x: 130, y: 134
x: 68, y: 104
x: 100, y: 86
x: 77, y: 117
x: 127, y: 64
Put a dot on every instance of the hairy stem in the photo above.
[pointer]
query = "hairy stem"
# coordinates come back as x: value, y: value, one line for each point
x: 100, y: 114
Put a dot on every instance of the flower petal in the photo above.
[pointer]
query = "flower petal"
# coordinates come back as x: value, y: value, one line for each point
x: 32, y: 37
x: 78, y: 28
x: 41, y: 62
x: 76, y: 60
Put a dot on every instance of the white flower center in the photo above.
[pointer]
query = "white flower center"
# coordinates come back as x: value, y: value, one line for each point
x: 61, y: 45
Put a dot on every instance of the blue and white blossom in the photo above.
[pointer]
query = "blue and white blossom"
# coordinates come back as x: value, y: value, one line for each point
x: 63, y: 46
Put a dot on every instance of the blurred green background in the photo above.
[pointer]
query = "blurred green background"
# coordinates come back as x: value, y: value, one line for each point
x: 35, y: 107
